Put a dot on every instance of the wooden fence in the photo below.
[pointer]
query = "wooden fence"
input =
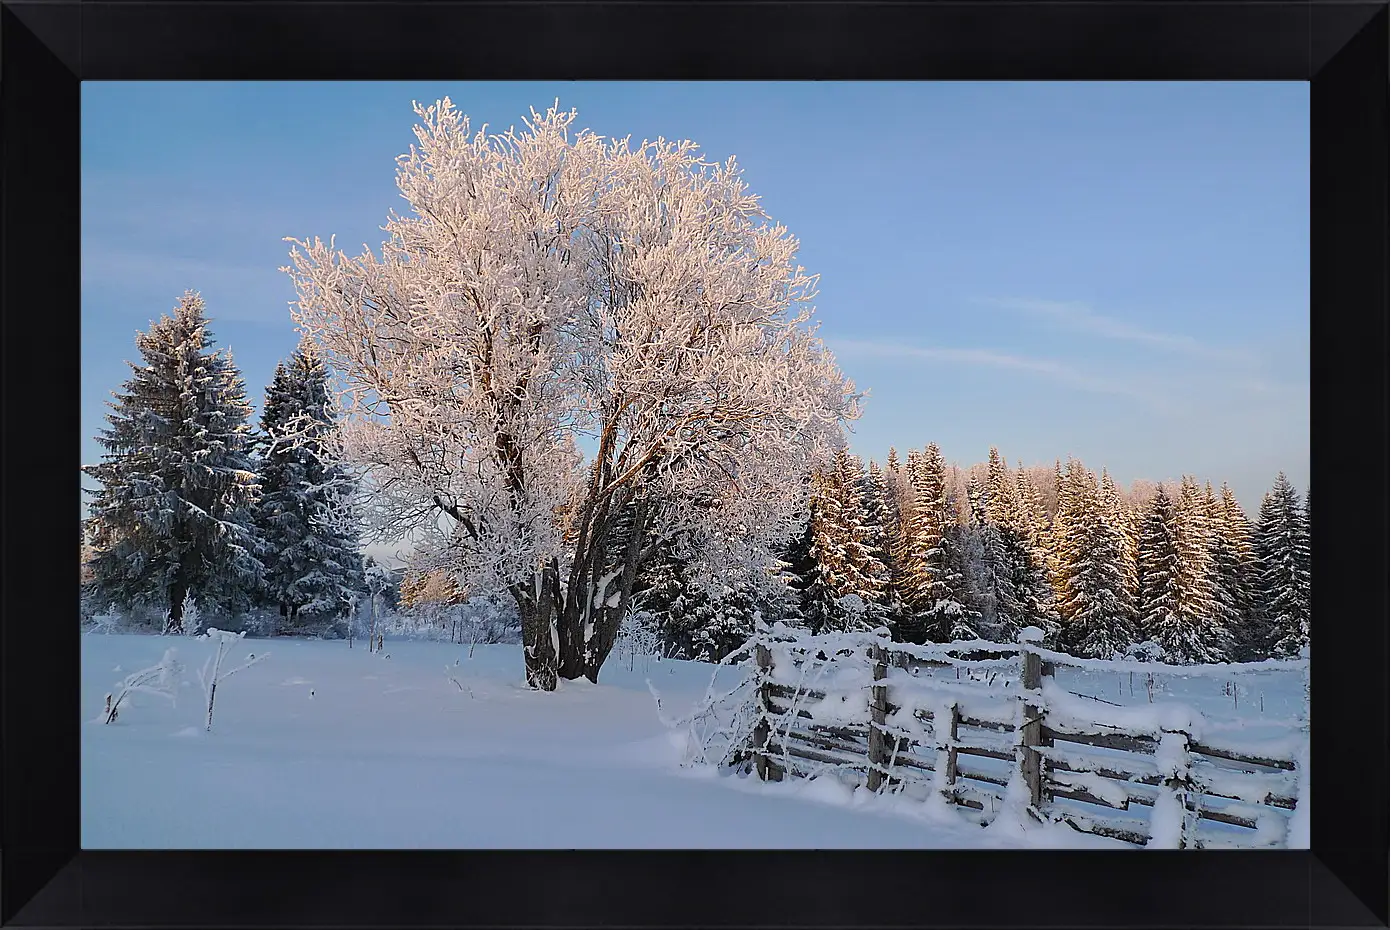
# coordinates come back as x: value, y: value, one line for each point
x: 967, y: 740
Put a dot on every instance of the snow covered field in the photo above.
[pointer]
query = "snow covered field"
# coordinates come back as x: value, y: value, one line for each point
x: 320, y: 746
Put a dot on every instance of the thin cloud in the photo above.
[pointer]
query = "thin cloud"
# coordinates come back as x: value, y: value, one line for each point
x: 253, y: 293
x: 1047, y: 368
x: 1081, y: 318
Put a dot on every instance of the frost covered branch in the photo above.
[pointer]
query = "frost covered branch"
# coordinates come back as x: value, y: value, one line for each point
x: 161, y: 679
x: 549, y: 284
x: 209, y: 679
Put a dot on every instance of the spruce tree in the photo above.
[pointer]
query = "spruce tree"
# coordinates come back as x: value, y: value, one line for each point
x: 975, y: 501
x: 1033, y: 519
x: 1097, y: 620
x: 944, y: 611
x: 826, y: 566
x: 881, y: 528
x: 171, y: 518
x: 1159, y: 576
x: 664, y: 590
x: 1117, y: 512
x: 315, y: 566
x: 1204, y: 637
x: 1306, y: 551
x: 867, y: 575
x: 906, y: 578
x: 977, y: 591
x: 1228, y: 609
x: 1055, y: 537
x: 1234, y: 560
x: 838, y: 553
x: 1283, y: 556
x: 1018, y: 590
x: 724, y: 620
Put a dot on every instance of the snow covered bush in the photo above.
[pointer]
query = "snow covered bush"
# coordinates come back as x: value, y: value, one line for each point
x: 637, y: 636
x: 718, y: 728
x: 192, y: 617
x: 487, y: 620
x: 1148, y: 651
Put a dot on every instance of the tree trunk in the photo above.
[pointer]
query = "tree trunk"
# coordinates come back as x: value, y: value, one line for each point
x: 212, y: 694
x: 579, y: 606
x: 609, y: 619
x: 537, y: 610
x: 570, y: 661
x: 177, y: 592
x: 372, y: 629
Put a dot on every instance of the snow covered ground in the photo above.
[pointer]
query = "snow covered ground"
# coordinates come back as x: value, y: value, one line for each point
x: 320, y: 746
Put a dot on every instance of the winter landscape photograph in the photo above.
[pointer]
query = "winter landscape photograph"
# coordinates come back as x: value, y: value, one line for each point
x: 804, y: 465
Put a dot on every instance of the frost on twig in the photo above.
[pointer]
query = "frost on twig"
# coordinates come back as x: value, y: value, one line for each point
x: 210, y: 679
x: 449, y: 671
x: 160, y: 679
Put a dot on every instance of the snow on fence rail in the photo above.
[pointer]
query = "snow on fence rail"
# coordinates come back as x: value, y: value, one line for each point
x: 858, y: 704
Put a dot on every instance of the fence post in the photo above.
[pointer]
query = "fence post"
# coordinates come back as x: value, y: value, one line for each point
x: 951, y: 750
x: 1031, y: 732
x: 766, y: 768
x: 878, y: 713
x: 1178, y: 782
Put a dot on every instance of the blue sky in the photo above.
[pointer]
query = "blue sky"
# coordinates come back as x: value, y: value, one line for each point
x: 1114, y: 271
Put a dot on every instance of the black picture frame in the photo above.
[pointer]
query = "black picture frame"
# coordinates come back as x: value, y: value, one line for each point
x: 47, y: 48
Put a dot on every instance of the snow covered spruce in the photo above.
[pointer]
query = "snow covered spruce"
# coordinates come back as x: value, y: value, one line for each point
x: 194, y: 505
x: 171, y: 517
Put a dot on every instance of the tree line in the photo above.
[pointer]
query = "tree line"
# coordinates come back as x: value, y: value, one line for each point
x: 196, y: 503
x: 1176, y: 572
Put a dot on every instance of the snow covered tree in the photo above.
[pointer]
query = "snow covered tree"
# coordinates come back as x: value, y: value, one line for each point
x: 981, y: 583
x: 1307, y: 553
x: 1055, y: 536
x: 1097, y: 618
x: 893, y: 477
x: 549, y: 284
x: 724, y: 621
x: 663, y: 589
x: 314, y: 566
x: 1016, y: 590
x: 1032, y: 517
x: 937, y: 576
x: 171, y: 517
x: 868, y: 577
x: 381, y: 586
x: 824, y: 567
x: 1159, y: 577
x: 1116, y: 511
x: 838, y: 552
x: 1283, y: 556
x: 903, y: 555
x: 1237, y: 571
x: 1206, y: 637
x: 881, y: 529
x: 1230, y: 585
x: 975, y: 501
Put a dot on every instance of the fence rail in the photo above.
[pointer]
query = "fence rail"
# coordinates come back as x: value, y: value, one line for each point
x: 860, y: 704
